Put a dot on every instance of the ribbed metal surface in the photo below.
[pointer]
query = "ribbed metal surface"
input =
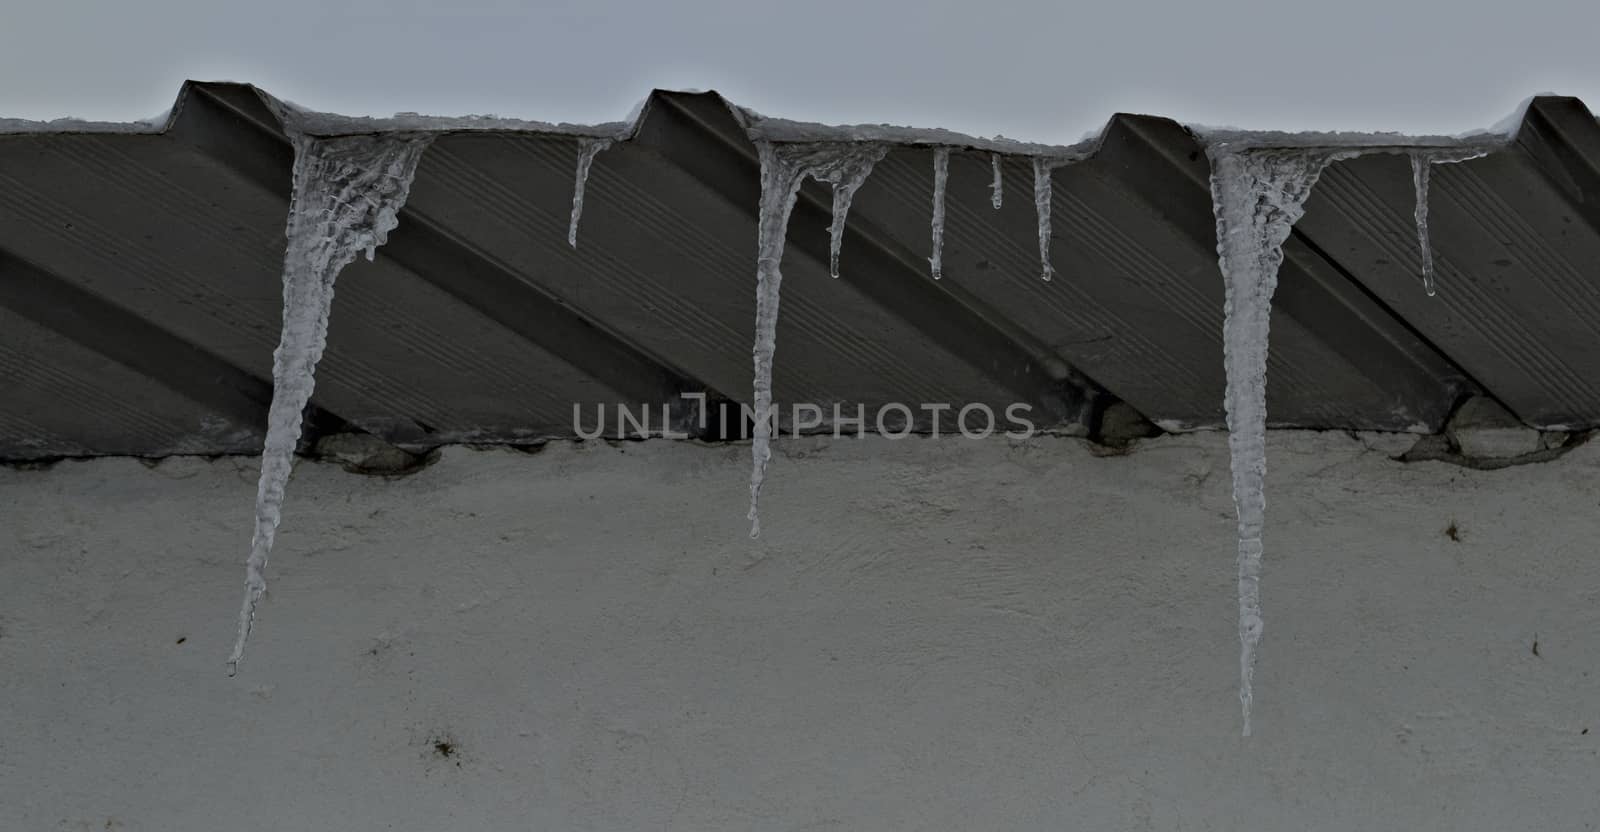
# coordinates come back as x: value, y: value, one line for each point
x: 1517, y: 237
x: 140, y: 294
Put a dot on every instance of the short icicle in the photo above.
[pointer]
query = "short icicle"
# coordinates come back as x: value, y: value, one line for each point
x: 997, y: 187
x: 784, y: 167
x: 588, y: 148
x: 845, y: 183
x: 347, y: 196
x: 941, y: 176
x: 1257, y: 196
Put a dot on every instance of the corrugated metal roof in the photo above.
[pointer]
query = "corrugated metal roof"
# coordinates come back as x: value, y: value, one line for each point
x: 140, y: 292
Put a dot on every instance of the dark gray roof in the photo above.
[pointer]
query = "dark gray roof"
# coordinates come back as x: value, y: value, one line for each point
x: 140, y: 292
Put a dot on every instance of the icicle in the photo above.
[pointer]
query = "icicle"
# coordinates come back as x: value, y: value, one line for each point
x: 841, y: 209
x: 1419, y: 178
x: 996, y: 187
x: 783, y: 168
x: 346, y: 199
x: 941, y: 175
x: 588, y: 148
x: 1422, y: 162
x: 845, y: 184
x: 1041, y: 201
x: 1256, y: 196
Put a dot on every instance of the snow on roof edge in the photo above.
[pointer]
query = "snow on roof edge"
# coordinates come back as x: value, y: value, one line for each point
x: 768, y: 128
x: 300, y: 119
x: 759, y: 127
x: 1483, y: 139
x: 68, y: 125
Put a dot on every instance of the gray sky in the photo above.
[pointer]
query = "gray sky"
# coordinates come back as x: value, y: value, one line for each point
x: 1042, y: 71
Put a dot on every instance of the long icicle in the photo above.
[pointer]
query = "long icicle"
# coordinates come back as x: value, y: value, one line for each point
x: 1422, y: 162
x: 1042, y: 195
x: 347, y: 196
x: 783, y: 168
x: 1419, y: 178
x: 588, y: 148
x: 1257, y: 196
x: 997, y: 187
x: 941, y: 176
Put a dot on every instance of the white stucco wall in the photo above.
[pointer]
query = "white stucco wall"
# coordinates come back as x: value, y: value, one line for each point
x: 931, y: 635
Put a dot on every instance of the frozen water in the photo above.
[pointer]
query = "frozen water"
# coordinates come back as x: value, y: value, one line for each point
x: 846, y: 181
x: 783, y: 168
x: 1422, y: 162
x: 1258, y: 192
x: 1042, y: 195
x: 588, y: 148
x: 1419, y: 178
x: 941, y: 176
x: 996, y: 187
x: 1257, y: 195
x: 346, y: 199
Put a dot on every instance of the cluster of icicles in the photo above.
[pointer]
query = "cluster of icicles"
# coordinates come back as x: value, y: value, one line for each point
x: 348, y: 192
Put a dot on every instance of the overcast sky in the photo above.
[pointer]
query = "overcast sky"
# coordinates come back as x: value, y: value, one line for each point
x: 1042, y: 71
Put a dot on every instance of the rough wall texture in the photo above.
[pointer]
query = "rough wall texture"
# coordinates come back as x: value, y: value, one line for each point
x: 939, y: 634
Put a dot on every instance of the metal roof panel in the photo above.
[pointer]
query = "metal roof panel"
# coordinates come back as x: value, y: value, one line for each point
x: 139, y: 282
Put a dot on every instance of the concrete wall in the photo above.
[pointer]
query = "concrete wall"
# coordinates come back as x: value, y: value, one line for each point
x: 931, y: 635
